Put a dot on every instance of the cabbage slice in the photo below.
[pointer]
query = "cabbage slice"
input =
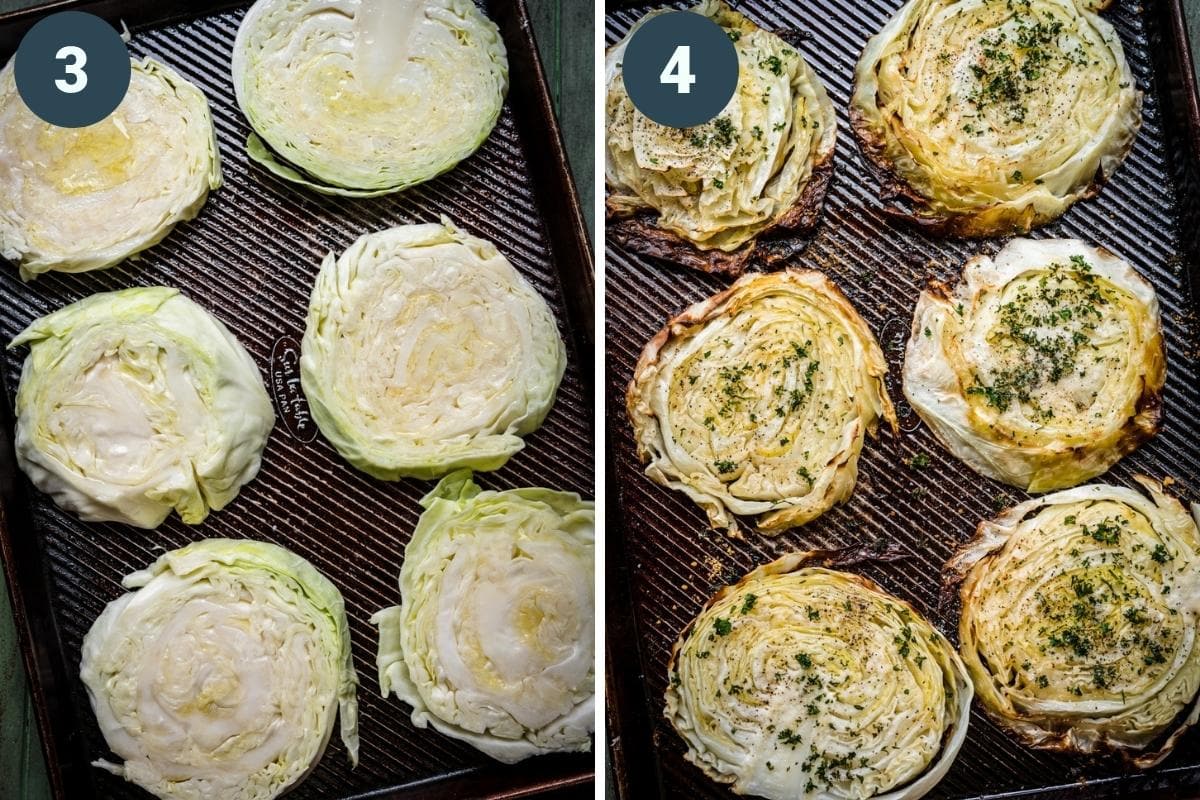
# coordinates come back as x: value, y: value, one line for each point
x: 222, y: 673
x: 990, y: 117
x: 707, y: 192
x: 806, y: 683
x: 367, y: 97
x: 136, y: 403
x: 757, y: 401
x: 493, y: 642
x: 1079, y: 620
x: 78, y: 199
x: 1043, y: 367
x: 425, y: 351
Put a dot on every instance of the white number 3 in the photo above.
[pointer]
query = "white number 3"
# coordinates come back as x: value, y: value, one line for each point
x: 74, y: 69
x: 679, y: 70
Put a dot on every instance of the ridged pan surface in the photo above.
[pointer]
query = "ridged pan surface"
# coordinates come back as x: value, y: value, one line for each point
x: 251, y: 257
x: 675, y: 564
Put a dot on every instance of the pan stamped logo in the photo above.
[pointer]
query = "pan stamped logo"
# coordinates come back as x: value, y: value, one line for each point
x: 285, y: 388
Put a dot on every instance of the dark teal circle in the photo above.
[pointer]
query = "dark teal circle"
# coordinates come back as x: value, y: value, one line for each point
x: 106, y: 65
x: 714, y: 63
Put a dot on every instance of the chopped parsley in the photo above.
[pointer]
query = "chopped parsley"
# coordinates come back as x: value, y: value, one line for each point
x: 1013, y: 65
x: 920, y: 461
x: 724, y: 133
x: 1134, y: 615
x: 1081, y: 624
x: 732, y: 388
x: 1072, y: 639
x: 1102, y: 674
x: 903, y: 641
x: 1106, y: 531
x: 787, y: 737
x: 1044, y: 330
x: 748, y: 603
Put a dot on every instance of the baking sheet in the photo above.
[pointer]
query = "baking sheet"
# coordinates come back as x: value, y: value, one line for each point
x: 663, y: 563
x: 250, y: 258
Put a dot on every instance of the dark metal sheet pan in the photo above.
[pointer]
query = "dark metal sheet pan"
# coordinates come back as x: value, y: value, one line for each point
x: 250, y: 257
x: 663, y: 564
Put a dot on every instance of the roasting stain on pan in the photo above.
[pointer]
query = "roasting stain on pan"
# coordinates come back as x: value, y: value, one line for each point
x: 289, y: 397
x: 251, y: 257
x: 1147, y: 213
x: 893, y: 338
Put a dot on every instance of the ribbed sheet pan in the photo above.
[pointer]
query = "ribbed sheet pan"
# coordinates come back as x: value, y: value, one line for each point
x: 251, y: 257
x: 663, y: 563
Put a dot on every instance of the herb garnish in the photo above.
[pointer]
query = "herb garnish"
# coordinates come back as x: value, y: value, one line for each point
x: 748, y: 603
x: 1045, y: 328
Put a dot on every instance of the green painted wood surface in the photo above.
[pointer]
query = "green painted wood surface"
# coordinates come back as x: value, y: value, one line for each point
x: 22, y: 768
x: 564, y: 33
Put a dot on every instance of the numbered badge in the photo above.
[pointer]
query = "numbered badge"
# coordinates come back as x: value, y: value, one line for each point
x: 72, y: 69
x: 680, y: 69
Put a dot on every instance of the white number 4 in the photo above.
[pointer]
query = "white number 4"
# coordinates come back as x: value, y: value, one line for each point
x: 74, y: 69
x: 679, y: 70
